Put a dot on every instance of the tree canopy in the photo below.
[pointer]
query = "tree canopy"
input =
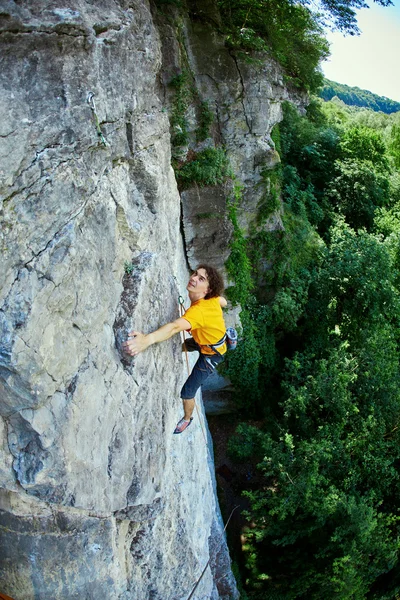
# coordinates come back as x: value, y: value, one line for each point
x: 319, y: 365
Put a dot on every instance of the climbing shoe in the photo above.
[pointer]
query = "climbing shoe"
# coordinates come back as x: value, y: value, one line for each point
x: 182, y: 425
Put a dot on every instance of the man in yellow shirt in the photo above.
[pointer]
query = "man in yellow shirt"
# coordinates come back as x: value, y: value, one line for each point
x: 205, y: 321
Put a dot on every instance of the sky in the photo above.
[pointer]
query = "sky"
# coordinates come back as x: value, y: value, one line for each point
x: 371, y: 60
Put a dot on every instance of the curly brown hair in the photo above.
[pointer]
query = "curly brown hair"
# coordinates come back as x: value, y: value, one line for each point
x: 215, y: 281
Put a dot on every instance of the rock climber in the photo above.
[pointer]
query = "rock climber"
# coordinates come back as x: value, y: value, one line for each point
x: 205, y: 321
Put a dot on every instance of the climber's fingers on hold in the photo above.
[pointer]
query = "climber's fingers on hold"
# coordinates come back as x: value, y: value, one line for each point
x: 132, y: 345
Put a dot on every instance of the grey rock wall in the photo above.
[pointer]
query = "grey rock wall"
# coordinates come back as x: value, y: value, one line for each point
x: 246, y: 95
x: 97, y: 498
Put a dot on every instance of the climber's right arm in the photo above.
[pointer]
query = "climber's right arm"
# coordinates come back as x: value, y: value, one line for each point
x: 138, y: 342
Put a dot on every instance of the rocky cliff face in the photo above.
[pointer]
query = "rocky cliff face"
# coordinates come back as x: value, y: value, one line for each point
x: 97, y: 498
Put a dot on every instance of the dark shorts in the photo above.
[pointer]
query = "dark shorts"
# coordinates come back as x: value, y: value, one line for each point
x: 204, y: 366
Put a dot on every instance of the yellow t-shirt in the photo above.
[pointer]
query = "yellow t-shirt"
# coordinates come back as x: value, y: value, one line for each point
x: 207, y: 321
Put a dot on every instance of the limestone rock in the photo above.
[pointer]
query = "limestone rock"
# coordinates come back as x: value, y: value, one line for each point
x: 97, y: 498
x: 207, y: 228
x: 245, y: 97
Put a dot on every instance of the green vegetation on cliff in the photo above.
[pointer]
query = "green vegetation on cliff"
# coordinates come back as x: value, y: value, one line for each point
x: 321, y: 349
x: 354, y: 96
x: 288, y: 31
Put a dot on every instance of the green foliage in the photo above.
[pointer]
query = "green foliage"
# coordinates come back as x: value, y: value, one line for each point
x: 238, y: 578
x: 128, y: 267
x: 207, y: 167
x: 320, y: 370
x: 357, y: 190
x: 362, y: 143
x: 394, y: 145
x: 341, y: 13
x: 357, y: 283
x: 326, y: 520
x: 276, y: 138
x: 246, y: 443
x: 333, y: 167
x: 309, y: 149
x: 182, y: 101
x: 186, y: 94
x: 243, y: 366
x: 270, y: 202
x: 206, y: 118
x: 354, y: 96
x: 301, y: 201
x: 238, y: 264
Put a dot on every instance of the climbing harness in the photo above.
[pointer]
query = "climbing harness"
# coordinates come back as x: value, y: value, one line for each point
x: 90, y: 101
x: 229, y: 338
x: 208, y: 562
x: 219, y: 344
x: 181, y: 313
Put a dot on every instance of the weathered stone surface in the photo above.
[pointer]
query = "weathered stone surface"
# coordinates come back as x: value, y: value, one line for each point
x: 246, y: 98
x: 207, y: 228
x: 97, y: 498
x: 35, y: 544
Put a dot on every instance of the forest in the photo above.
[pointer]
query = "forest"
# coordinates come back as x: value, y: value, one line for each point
x: 354, y: 96
x: 317, y: 371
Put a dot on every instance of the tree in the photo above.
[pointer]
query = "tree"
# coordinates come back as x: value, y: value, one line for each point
x: 357, y: 190
x: 362, y: 143
x: 394, y: 144
x: 323, y: 510
x: 325, y: 522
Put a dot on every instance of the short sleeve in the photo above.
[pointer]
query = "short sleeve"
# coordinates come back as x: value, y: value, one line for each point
x: 194, y: 315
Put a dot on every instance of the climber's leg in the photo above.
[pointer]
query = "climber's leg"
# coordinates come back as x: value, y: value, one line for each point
x: 204, y: 366
x: 188, y: 408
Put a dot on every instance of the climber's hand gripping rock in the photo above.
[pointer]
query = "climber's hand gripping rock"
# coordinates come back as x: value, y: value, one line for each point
x: 138, y: 342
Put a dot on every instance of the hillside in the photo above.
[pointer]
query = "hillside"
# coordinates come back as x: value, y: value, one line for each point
x: 354, y: 96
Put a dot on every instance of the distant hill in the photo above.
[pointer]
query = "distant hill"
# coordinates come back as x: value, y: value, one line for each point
x: 354, y: 96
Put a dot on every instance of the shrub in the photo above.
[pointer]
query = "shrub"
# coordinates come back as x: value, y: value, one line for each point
x: 207, y: 167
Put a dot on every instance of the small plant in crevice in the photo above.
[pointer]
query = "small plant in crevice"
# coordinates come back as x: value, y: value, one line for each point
x: 205, y: 120
x: 128, y: 267
x: 182, y: 101
x: 186, y: 95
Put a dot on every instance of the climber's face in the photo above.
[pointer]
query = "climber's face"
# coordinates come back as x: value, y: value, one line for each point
x: 198, y: 283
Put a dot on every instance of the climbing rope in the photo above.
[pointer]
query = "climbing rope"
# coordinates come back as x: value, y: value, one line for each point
x: 208, y: 562
x: 90, y: 101
x: 181, y: 313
